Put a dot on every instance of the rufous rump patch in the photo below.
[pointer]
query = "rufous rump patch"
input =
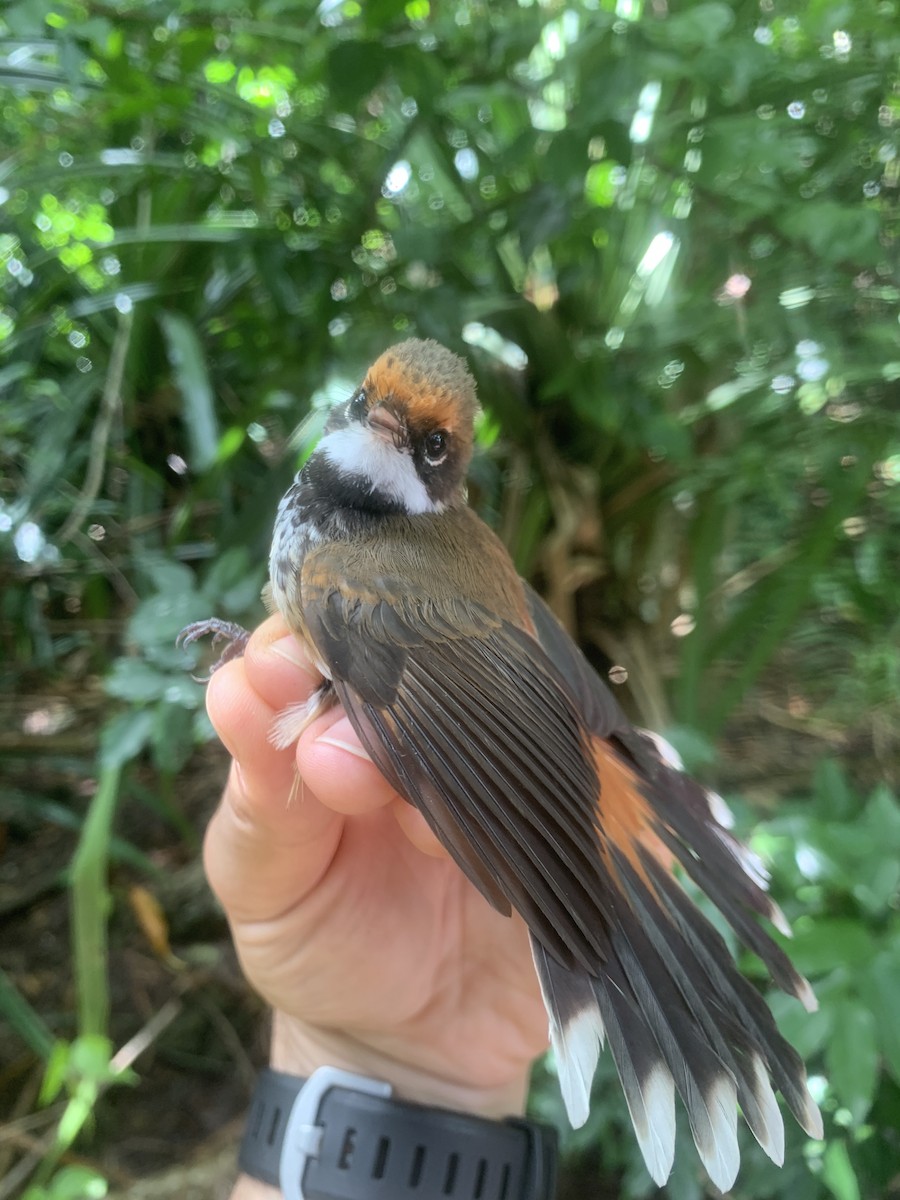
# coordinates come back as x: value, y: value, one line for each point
x: 624, y: 814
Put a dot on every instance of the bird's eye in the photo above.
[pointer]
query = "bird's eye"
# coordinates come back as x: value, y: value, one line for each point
x: 435, y: 445
x: 358, y: 405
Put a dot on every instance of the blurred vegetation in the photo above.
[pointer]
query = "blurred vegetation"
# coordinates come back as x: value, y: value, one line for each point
x: 665, y: 235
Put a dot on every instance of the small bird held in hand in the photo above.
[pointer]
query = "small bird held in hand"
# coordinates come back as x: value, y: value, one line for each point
x: 477, y: 707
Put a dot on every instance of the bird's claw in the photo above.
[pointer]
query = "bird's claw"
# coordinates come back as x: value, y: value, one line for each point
x: 235, y: 635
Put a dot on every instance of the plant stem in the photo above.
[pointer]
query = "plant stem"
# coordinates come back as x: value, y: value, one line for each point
x: 90, y: 907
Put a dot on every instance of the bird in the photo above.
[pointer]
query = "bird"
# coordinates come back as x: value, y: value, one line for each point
x: 479, y: 709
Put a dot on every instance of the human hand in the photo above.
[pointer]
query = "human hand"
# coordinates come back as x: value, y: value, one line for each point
x: 374, y: 950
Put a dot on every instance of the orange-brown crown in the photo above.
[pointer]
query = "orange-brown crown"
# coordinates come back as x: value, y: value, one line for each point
x: 428, y: 386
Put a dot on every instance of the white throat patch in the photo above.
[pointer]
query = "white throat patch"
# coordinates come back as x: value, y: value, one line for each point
x: 356, y: 450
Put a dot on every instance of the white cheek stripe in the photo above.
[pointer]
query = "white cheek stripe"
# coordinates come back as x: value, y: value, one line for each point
x: 357, y: 451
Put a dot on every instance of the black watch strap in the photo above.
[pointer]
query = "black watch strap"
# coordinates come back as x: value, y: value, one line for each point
x: 339, y: 1136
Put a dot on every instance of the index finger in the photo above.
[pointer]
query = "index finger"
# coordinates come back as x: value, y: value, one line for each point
x: 262, y: 851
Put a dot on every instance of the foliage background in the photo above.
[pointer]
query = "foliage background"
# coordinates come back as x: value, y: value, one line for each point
x: 665, y: 235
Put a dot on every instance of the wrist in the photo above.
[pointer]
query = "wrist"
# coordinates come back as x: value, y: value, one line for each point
x: 253, y: 1189
x: 298, y: 1049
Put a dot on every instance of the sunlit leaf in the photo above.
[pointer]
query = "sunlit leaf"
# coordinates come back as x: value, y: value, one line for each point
x: 190, y: 371
x: 602, y: 182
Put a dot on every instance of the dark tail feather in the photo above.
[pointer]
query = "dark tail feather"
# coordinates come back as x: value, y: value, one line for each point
x: 677, y: 1014
x: 704, y: 1083
x: 576, y: 1029
x: 654, y: 1049
x: 646, y: 1079
x: 743, y: 1010
x: 582, y: 1011
x: 706, y: 999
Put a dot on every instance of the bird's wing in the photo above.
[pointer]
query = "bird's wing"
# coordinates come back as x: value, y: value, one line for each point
x: 527, y: 771
x: 680, y: 821
x: 471, y: 722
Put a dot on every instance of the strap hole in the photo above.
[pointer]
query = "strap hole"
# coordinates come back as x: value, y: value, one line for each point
x: 504, y: 1182
x: 450, y: 1178
x: 480, y: 1176
x: 256, y: 1120
x: 381, y: 1158
x: 348, y: 1145
x: 273, y: 1127
x: 418, y: 1162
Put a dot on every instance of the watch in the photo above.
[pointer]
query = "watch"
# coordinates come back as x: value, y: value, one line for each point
x: 341, y: 1136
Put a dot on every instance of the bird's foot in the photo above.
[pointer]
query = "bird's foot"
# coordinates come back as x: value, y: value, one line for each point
x: 235, y: 635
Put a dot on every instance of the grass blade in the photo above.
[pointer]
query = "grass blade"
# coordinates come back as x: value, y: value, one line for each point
x: 24, y: 1019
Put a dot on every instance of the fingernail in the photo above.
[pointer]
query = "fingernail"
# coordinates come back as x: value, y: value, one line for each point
x: 343, y: 735
x: 291, y: 650
x: 356, y: 751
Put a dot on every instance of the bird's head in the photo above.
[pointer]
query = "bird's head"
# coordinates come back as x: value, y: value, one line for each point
x: 403, y: 440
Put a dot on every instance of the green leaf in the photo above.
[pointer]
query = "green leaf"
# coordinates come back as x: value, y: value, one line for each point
x: 807, y: 1032
x: 125, y: 736
x: 192, y: 377
x: 828, y: 943
x: 880, y: 987
x: 838, y: 1174
x: 219, y: 70
x: 229, y: 570
x: 167, y: 575
x: 354, y: 69
x: 878, y: 891
x: 157, y: 622
x: 230, y: 442
x: 136, y: 681
x: 26, y: 19
x: 851, y: 1057
x: 173, y: 737
x: 600, y: 183
x: 833, y: 793
x: 55, y: 1072
x: 79, y: 1183
x: 698, y: 26
x: 71, y: 1183
x: 836, y: 232
x: 882, y: 816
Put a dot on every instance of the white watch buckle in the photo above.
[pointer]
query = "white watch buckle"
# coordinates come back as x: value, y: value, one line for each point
x: 302, y: 1136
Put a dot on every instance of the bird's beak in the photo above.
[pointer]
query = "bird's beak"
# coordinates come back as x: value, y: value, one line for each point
x: 387, y: 426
